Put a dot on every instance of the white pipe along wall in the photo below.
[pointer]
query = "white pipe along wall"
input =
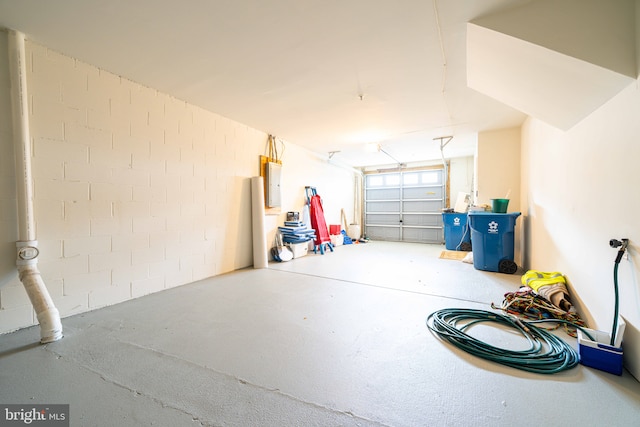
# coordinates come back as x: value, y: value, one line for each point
x: 27, y: 245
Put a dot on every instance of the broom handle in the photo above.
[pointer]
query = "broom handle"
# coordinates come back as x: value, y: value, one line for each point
x: 344, y: 218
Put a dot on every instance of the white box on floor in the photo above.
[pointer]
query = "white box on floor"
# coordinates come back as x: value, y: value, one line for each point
x: 299, y: 249
x: 336, y: 239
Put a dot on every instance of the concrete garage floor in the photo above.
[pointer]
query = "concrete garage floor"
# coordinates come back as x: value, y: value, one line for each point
x: 324, y: 340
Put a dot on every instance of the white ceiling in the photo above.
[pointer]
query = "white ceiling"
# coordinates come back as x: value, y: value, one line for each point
x: 327, y: 75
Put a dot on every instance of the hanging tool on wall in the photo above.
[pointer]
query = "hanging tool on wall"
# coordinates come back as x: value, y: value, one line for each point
x: 274, y: 156
x: 270, y: 171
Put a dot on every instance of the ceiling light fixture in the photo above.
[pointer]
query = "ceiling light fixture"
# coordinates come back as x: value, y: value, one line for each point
x: 372, y: 147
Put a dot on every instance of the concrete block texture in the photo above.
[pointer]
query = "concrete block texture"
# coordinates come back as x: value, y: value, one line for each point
x: 129, y: 183
x: 114, y: 169
x: 15, y: 318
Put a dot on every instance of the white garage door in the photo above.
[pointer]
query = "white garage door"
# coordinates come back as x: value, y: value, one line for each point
x: 405, y: 206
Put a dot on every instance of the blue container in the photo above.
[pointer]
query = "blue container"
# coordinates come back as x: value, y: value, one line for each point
x: 455, y: 230
x: 596, y: 351
x: 599, y: 355
x: 492, y: 237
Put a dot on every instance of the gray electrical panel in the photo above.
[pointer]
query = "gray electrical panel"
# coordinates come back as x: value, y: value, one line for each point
x: 273, y: 185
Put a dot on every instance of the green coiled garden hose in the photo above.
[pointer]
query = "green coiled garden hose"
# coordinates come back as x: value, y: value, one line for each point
x: 623, y: 247
x: 616, y: 306
x: 547, y: 353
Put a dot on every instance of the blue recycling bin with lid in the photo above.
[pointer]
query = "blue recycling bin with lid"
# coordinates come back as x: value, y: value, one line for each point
x: 456, y: 231
x: 492, y: 239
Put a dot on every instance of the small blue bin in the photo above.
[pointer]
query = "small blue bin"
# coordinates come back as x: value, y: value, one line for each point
x: 492, y: 239
x: 598, y: 353
x: 455, y: 230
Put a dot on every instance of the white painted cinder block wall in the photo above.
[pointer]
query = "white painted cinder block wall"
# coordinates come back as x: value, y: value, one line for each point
x: 135, y: 191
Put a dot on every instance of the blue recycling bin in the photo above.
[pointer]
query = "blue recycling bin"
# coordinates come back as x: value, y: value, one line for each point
x: 455, y: 230
x: 492, y: 239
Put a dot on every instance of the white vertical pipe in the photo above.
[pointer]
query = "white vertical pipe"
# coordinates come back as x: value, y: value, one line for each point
x: 27, y: 245
x: 22, y: 145
x: 260, y: 251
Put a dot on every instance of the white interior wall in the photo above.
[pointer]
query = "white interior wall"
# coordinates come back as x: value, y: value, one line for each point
x: 461, y: 174
x: 498, y: 175
x: 498, y: 161
x: 581, y: 191
x: 334, y: 183
x: 135, y: 191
